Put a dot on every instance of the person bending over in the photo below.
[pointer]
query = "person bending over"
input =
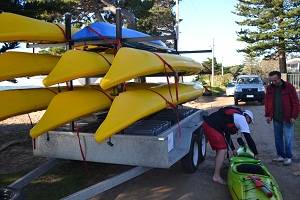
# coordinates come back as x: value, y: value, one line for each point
x: 218, y: 128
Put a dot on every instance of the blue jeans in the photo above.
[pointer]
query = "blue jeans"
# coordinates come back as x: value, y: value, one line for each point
x: 284, y: 136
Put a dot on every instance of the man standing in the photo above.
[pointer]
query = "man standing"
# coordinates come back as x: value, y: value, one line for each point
x: 218, y: 127
x: 282, y: 106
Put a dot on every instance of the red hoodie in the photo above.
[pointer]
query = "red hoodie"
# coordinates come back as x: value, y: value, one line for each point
x: 289, y: 99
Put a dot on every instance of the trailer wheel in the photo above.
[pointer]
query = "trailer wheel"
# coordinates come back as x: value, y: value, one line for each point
x: 197, y: 153
x: 9, y: 194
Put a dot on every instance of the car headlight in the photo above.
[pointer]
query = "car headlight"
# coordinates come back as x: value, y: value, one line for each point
x: 238, y: 89
x: 261, y: 89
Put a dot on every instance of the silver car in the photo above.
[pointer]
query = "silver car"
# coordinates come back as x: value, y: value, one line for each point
x: 230, y: 88
x: 249, y: 88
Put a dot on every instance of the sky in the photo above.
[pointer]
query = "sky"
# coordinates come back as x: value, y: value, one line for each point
x: 206, y: 20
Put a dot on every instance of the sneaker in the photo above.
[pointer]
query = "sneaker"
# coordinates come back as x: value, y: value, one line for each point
x: 287, y: 161
x: 278, y: 159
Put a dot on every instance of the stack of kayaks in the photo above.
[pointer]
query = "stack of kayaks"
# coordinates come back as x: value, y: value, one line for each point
x: 64, y: 106
x: 21, y: 101
x: 18, y: 64
x: 71, y: 65
x: 248, y: 178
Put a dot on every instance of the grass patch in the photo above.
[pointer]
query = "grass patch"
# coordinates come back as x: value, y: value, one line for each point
x: 215, y: 91
x: 6, y: 179
x: 65, y: 179
x: 218, y: 91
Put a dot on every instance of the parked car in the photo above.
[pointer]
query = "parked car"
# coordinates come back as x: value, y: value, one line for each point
x: 249, y: 88
x: 230, y: 88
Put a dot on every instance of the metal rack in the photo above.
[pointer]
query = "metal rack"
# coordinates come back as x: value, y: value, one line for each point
x: 158, y: 141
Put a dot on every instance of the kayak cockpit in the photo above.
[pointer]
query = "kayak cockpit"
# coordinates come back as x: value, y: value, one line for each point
x: 250, y: 169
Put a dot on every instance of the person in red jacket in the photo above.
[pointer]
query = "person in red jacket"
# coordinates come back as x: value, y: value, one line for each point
x: 282, y: 106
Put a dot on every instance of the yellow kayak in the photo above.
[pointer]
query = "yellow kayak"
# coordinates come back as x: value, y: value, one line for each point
x: 143, y: 103
x: 76, y: 64
x: 16, y: 102
x: 20, y: 64
x: 131, y: 63
x: 68, y: 106
x: 75, y: 104
x: 20, y: 28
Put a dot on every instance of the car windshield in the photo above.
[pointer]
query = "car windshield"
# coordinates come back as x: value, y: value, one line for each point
x: 249, y: 80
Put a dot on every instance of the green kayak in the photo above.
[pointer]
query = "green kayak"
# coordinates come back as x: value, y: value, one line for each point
x: 249, y: 179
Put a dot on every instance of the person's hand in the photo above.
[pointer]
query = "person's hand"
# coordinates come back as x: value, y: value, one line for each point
x: 232, y: 153
x: 292, y: 120
x: 268, y: 119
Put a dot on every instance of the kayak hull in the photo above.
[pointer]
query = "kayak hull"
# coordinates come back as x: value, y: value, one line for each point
x: 20, y: 28
x: 130, y: 63
x: 144, y: 102
x: 68, y: 106
x: 242, y: 186
x: 17, y: 102
x: 21, y: 64
x: 77, y: 64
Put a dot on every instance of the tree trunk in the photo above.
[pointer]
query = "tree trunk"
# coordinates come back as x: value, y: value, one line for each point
x: 282, y: 44
x: 282, y: 61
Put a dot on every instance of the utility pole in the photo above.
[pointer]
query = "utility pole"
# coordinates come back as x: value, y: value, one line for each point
x: 213, y: 63
x: 222, y: 67
x: 177, y: 33
x: 177, y: 25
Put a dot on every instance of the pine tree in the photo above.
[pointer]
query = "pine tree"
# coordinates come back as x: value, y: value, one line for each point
x: 206, y: 66
x: 251, y: 65
x: 40, y: 9
x: 236, y: 70
x: 271, y: 28
x: 160, y: 19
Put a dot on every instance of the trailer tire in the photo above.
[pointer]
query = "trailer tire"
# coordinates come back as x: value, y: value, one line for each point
x: 9, y: 194
x: 196, y: 154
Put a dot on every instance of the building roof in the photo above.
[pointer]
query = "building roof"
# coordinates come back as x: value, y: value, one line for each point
x: 293, y: 61
x: 250, y: 75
